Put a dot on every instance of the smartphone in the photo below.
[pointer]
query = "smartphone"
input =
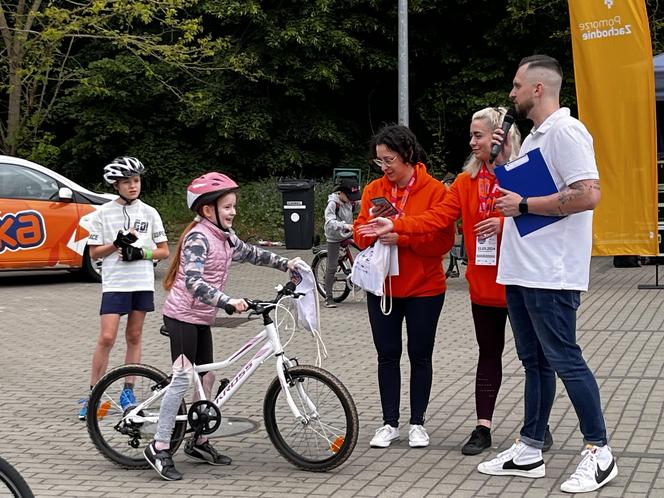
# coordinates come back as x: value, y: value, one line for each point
x: 382, y: 202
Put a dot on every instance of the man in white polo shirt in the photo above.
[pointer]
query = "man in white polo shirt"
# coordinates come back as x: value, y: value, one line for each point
x: 545, y: 272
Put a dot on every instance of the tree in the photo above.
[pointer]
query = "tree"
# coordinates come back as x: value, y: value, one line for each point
x: 40, y: 41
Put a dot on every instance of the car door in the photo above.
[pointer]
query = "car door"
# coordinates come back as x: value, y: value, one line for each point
x: 35, y: 224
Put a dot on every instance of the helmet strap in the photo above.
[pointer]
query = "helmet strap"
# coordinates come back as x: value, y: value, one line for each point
x: 219, y: 225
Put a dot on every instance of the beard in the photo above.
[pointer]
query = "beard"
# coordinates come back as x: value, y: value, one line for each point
x: 523, y: 109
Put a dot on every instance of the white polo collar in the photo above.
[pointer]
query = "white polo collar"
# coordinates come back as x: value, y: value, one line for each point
x: 563, y: 112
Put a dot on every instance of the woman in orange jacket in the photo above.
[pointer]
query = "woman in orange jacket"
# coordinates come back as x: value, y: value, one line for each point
x: 418, y: 292
x: 472, y: 198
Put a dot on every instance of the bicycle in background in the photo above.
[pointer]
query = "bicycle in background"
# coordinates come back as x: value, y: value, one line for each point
x: 342, y: 285
x: 458, y: 252
x: 456, y: 255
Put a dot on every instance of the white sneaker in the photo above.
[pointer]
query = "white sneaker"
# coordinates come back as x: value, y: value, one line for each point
x: 530, y: 463
x: 384, y: 436
x: 597, y: 467
x: 417, y: 436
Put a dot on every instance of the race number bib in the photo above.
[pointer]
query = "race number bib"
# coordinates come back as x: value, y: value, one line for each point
x: 486, y: 250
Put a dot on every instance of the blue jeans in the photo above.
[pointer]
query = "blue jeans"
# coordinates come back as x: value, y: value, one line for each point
x: 544, y: 325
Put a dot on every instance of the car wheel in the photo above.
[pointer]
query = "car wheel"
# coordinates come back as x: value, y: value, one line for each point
x: 91, y: 268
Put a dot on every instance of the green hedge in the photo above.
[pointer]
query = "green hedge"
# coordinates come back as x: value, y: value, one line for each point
x: 259, y: 209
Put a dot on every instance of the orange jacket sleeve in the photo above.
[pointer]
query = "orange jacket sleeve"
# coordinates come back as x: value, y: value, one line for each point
x: 442, y: 215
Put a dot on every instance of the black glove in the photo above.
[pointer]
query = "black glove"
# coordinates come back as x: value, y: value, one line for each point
x: 131, y: 253
x: 125, y: 239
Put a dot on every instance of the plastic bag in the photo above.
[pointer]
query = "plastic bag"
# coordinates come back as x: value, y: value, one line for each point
x: 371, y: 267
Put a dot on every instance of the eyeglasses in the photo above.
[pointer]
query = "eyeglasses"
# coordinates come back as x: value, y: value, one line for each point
x: 387, y: 161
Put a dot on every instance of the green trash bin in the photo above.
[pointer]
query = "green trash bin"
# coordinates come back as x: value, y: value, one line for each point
x: 338, y: 173
x: 298, y: 197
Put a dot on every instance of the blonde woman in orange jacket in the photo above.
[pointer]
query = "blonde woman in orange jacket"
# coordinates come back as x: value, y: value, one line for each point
x: 417, y: 293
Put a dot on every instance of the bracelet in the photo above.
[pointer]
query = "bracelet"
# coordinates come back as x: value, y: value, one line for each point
x: 147, y: 254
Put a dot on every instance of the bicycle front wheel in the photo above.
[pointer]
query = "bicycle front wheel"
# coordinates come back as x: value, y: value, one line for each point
x: 122, y: 441
x: 340, y: 286
x: 328, y: 435
x: 13, y: 481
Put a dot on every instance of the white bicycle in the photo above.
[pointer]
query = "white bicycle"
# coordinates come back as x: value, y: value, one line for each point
x: 309, y: 414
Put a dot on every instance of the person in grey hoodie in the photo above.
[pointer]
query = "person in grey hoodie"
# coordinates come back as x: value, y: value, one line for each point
x: 338, y: 227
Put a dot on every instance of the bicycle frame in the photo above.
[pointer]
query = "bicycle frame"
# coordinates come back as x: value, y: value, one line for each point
x: 347, y: 253
x: 272, y: 346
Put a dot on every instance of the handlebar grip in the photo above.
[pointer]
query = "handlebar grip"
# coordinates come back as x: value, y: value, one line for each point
x: 229, y: 309
x: 290, y: 286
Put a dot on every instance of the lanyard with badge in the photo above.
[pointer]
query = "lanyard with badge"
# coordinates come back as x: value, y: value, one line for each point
x: 486, y: 248
x: 404, y: 197
x: 394, y: 251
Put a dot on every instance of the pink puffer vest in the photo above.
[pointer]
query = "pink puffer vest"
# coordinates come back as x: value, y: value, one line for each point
x: 180, y: 303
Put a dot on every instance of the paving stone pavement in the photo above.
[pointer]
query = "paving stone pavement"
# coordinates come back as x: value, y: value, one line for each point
x: 49, y: 325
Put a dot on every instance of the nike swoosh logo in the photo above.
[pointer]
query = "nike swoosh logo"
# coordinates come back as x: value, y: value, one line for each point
x: 600, y: 474
x: 514, y: 466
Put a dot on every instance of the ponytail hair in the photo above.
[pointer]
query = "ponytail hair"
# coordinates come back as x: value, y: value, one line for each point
x: 169, y: 280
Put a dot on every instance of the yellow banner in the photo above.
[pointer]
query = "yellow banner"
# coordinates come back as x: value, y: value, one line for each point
x: 615, y: 89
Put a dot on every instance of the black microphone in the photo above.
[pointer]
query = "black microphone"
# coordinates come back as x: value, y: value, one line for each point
x: 508, y: 120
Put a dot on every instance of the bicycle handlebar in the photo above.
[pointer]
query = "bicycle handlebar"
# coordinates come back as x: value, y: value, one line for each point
x: 257, y: 306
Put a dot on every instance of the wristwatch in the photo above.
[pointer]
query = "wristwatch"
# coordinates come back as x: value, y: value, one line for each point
x: 523, y: 205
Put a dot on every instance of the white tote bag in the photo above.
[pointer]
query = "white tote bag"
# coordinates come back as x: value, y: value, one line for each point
x: 371, y: 267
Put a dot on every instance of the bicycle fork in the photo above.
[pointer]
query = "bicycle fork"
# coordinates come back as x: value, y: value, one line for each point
x: 311, y: 411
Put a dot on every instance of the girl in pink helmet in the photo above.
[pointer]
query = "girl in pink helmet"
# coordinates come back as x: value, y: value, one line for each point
x: 195, y: 281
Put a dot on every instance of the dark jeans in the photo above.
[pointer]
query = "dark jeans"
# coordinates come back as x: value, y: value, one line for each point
x: 544, y: 325
x: 421, y: 315
x: 490, y: 333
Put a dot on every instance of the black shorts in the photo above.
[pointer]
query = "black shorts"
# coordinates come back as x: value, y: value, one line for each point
x: 191, y: 340
x: 123, y: 303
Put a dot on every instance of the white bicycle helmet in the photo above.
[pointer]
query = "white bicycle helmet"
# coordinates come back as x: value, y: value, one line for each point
x: 122, y: 167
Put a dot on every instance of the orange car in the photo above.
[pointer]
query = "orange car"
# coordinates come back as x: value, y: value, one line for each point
x: 39, y: 219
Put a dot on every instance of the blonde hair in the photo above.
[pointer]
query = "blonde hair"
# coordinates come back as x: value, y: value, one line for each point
x: 493, y: 117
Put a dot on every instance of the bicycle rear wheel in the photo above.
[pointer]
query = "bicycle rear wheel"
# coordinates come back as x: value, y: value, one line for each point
x: 328, y: 436
x: 340, y: 286
x: 11, y: 480
x: 122, y: 441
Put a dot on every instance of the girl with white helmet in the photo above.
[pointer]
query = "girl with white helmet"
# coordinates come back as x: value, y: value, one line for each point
x: 128, y: 235
x: 195, y: 281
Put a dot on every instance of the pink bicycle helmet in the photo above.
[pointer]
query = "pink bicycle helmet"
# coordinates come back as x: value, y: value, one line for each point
x: 207, y: 188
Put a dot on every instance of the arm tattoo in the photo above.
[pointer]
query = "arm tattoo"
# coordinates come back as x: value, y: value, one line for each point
x: 573, y: 192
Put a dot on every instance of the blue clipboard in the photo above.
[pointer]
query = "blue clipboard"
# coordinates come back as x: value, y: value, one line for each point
x: 528, y: 176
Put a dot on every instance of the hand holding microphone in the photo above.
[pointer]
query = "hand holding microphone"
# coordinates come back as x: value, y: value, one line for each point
x: 508, y: 120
